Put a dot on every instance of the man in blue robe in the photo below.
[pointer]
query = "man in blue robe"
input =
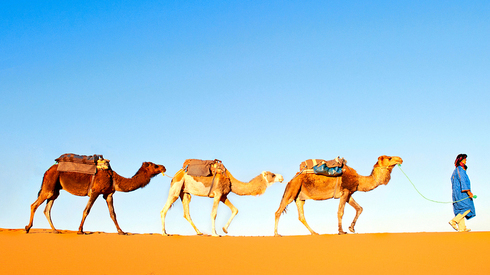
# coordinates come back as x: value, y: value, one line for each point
x: 463, y: 205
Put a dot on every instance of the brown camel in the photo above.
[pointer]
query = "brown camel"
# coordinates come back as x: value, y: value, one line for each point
x: 184, y: 185
x: 105, y: 182
x: 316, y: 187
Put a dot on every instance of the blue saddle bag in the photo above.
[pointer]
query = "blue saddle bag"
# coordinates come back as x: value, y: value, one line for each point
x: 323, y: 170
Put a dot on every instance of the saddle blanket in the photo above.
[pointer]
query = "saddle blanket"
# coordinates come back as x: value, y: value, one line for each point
x: 330, y: 168
x: 78, y: 163
x: 310, y: 163
x: 203, y: 168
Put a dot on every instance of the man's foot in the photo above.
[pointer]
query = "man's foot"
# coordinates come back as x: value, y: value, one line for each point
x: 453, y: 224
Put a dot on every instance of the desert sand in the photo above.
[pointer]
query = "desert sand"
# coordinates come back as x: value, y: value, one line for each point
x: 42, y: 252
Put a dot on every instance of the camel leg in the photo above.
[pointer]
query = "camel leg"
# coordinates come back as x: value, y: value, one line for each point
x: 290, y: 193
x: 301, y: 214
x: 163, y: 213
x: 110, y: 204
x: 91, y: 201
x: 40, y: 199
x: 47, y: 213
x: 282, y: 207
x: 173, y: 195
x: 186, y: 199
x: 234, y: 212
x: 340, y: 213
x: 358, y: 208
x: 51, y: 196
x: 214, y: 213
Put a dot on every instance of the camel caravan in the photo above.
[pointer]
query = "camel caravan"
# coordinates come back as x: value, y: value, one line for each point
x: 317, y: 180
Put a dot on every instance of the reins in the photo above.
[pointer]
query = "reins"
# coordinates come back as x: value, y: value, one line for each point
x: 399, y: 166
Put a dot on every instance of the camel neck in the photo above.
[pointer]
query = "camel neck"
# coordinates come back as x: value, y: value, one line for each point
x: 139, y: 180
x: 379, y: 176
x: 256, y: 186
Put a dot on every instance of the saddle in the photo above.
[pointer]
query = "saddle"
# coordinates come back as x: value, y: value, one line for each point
x: 81, y: 163
x: 203, y: 168
x: 331, y: 168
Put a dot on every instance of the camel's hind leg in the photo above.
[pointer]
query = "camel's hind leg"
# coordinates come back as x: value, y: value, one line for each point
x: 50, y: 190
x: 90, y: 203
x: 358, y: 208
x: 234, y: 212
x: 290, y: 194
x: 301, y: 214
x: 47, y: 212
x: 173, y: 195
x: 110, y: 204
x: 186, y: 199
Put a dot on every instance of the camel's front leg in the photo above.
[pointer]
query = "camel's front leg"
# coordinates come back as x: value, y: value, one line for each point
x: 340, y: 213
x: 214, y: 213
x: 358, y: 208
x: 186, y: 199
x: 110, y: 205
x: 301, y: 213
x: 91, y: 201
x: 234, y: 212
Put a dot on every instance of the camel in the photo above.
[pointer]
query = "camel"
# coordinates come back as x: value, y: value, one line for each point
x: 316, y: 187
x: 105, y: 182
x: 184, y: 185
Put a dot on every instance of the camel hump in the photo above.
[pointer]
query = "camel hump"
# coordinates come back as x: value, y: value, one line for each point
x: 203, y: 168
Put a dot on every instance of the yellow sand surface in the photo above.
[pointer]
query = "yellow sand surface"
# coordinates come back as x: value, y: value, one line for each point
x: 42, y: 252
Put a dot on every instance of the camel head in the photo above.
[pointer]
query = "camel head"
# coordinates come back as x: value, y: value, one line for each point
x: 153, y: 169
x: 270, y: 177
x: 389, y: 162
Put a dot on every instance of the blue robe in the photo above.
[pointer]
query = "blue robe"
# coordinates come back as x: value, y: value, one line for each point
x: 460, y: 183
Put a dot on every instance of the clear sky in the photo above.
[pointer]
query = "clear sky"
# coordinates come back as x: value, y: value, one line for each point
x: 260, y: 85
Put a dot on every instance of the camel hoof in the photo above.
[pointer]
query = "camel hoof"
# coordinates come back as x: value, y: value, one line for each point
x: 27, y: 229
x: 81, y: 233
x: 351, y: 229
x: 342, y: 232
x: 199, y: 234
x: 224, y: 230
x: 122, y: 233
x: 314, y: 233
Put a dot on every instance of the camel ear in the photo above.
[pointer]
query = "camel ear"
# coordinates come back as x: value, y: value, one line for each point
x: 264, y: 175
x: 380, y: 160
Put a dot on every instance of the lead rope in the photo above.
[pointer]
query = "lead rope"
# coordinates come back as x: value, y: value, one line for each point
x: 399, y: 166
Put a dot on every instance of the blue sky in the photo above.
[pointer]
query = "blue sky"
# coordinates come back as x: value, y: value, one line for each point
x: 259, y: 85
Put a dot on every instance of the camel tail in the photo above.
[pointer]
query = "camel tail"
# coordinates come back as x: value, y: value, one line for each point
x: 44, y: 180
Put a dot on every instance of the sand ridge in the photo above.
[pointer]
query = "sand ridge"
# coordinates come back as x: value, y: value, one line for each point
x: 42, y: 252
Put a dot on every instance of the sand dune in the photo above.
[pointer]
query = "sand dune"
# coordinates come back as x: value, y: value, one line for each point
x: 42, y: 252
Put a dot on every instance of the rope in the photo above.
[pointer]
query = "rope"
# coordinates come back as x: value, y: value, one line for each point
x: 399, y: 166
x: 167, y: 175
